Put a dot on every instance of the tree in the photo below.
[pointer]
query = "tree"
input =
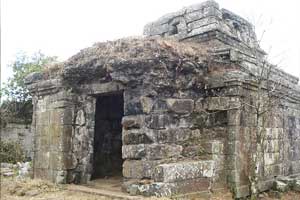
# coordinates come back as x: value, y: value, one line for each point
x: 263, y: 104
x: 16, y: 104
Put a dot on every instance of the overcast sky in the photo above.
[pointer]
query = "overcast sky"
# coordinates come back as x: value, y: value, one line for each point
x: 63, y: 27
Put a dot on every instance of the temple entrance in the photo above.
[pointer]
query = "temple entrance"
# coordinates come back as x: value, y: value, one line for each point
x: 107, y: 162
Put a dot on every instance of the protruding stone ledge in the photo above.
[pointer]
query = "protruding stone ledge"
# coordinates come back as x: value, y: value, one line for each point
x: 181, y: 106
x: 44, y: 87
x: 151, y: 151
x: 174, y: 172
x: 222, y: 103
x: 137, y: 169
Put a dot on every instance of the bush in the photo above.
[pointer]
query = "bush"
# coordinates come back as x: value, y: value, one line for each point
x: 11, y: 152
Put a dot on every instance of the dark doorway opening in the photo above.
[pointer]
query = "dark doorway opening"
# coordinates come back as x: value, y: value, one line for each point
x: 107, y: 160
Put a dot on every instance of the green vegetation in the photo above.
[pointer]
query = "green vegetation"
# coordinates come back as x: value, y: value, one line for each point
x: 16, y: 101
x: 11, y: 152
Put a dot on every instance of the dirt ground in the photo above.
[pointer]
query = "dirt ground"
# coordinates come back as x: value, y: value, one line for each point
x: 27, y: 189
x: 12, y: 189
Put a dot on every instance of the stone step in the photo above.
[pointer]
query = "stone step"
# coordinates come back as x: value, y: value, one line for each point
x: 174, y: 172
x: 103, y: 192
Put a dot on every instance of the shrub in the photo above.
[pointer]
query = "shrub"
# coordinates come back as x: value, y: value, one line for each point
x: 11, y: 152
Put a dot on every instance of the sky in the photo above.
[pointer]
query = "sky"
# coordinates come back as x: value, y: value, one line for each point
x: 63, y: 27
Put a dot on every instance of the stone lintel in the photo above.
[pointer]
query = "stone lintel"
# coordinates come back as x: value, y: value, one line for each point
x: 102, y: 88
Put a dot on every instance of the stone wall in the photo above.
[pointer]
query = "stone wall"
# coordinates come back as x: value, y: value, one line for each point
x: 279, y: 154
x: 167, y: 125
x: 188, y: 124
x: 206, y: 22
x: 52, y: 120
x: 19, y: 133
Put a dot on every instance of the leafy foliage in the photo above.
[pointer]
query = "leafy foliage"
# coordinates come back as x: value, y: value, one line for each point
x: 11, y: 152
x: 17, y: 100
x: 23, y: 65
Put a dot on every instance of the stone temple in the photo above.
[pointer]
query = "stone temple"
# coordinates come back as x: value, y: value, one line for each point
x: 181, y: 110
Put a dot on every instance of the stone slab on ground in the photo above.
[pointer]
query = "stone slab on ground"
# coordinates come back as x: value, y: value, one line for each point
x: 102, y: 192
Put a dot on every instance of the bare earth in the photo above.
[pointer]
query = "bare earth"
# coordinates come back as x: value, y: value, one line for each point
x: 13, y: 189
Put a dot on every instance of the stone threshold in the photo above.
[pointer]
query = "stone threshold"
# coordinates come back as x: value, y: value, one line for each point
x: 102, y: 192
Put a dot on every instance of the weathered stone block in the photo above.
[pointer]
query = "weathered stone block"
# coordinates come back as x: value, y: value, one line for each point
x: 287, y: 180
x: 150, y: 151
x: 280, y: 186
x: 296, y: 186
x: 193, y: 185
x: 62, y: 161
x: 209, y: 11
x: 273, y: 170
x: 137, y: 136
x: 214, y: 132
x: 184, y: 123
x: 133, y: 121
x: 274, y: 133
x: 213, y: 147
x: 234, y: 131
x: 80, y: 118
x: 180, y: 106
x: 294, y: 167
x: 199, y: 187
x: 192, y: 151
x: 205, y: 150
x: 60, y: 137
x: 42, y: 142
x: 159, y: 106
x: 172, y: 135
x: 272, y: 158
x: 162, y: 151
x: 241, y: 191
x: 61, y: 116
x: 234, y: 117
x: 196, y: 133
x: 202, y: 22
x: 155, y: 29
x: 222, y: 103
x: 232, y: 147
x: 265, y: 185
x: 199, y: 105
x: 147, y: 104
x: 203, y: 29
x: 158, y: 121
x: 41, y: 105
x: 42, y: 159
x: 43, y: 118
x: 138, y: 169
x: 272, y: 146
x: 59, y: 104
x: 133, y: 151
x: 231, y: 162
x: 132, y: 104
x: 200, y: 120
x: 180, y: 171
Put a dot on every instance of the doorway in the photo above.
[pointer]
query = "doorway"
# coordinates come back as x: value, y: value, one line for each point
x: 107, y: 157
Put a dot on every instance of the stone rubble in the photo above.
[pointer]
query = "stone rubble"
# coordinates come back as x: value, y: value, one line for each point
x: 21, y: 170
